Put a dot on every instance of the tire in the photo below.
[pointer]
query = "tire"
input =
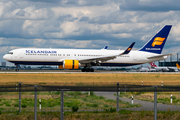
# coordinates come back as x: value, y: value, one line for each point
x: 91, y: 70
x: 83, y: 70
x: 87, y: 70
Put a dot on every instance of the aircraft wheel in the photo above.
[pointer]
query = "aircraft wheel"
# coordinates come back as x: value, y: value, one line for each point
x: 16, y: 70
x: 83, y: 70
x: 91, y: 70
x: 87, y: 70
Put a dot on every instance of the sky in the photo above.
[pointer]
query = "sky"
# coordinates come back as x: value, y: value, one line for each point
x: 86, y: 24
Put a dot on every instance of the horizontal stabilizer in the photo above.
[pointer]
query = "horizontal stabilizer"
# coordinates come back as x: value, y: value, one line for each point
x: 158, y: 56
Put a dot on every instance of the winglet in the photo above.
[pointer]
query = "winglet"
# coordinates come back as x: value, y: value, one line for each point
x: 128, y: 49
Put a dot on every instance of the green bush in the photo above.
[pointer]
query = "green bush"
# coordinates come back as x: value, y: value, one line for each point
x: 16, y: 105
x: 92, y: 93
x: 110, y: 110
x: 137, y: 93
x: 58, y: 93
x: 68, y: 104
x: 7, y: 103
x: 92, y: 105
x: 75, y: 108
x: 23, y: 105
x: 106, y: 106
x: 109, y: 100
x: 101, y: 97
x: 173, y: 97
x: 95, y: 105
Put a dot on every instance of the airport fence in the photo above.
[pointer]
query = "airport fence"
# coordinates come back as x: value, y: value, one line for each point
x: 105, y: 88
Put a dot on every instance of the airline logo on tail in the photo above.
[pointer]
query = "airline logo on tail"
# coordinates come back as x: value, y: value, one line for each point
x: 157, y: 41
x: 152, y: 64
x: 129, y: 49
x: 177, y: 65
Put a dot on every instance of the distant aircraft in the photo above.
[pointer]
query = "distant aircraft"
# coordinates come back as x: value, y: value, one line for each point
x: 75, y: 58
x: 151, y: 69
x: 164, y: 69
x: 178, y: 67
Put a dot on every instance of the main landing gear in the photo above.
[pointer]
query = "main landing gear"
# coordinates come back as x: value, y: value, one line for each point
x: 86, y: 69
x: 17, y: 68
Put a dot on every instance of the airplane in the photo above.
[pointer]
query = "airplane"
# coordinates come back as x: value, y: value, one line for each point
x: 75, y: 58
x: 151, y: 69
x: 164, y: 69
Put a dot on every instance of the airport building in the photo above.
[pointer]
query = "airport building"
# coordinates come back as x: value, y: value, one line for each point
x: 170, y: 62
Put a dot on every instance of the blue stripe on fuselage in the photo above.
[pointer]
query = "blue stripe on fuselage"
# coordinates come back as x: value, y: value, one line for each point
x: 61, y: 63
x: 36, y: 63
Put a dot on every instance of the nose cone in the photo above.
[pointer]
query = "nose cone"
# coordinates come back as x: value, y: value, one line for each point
x: 6, y: 57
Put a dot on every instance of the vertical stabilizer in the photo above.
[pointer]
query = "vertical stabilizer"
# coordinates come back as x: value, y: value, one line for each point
x: 156, y: 44
x: 177, y: 65
x: 152, y: 64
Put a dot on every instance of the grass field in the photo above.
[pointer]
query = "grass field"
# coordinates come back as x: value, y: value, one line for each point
x: 51, y: 100
x: 122, y: 115
x: 75, y: 79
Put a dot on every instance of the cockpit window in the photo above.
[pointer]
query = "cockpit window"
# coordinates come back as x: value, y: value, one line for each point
x: 11, y: 53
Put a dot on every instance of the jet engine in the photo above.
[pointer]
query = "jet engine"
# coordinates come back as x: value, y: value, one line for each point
x: 70, y: 64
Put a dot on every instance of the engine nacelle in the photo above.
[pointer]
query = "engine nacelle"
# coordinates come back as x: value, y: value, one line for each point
x: 70, y: 64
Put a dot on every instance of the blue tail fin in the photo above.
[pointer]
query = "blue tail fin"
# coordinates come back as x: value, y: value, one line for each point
x: 156, y: 44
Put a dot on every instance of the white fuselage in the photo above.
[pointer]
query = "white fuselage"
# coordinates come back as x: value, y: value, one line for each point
x: 40, y: 56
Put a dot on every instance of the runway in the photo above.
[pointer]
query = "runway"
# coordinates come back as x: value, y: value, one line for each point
x: 79, y: 72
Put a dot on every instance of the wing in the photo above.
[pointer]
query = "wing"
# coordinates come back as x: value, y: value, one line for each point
x: 106, y: 58
x: 102, y: 58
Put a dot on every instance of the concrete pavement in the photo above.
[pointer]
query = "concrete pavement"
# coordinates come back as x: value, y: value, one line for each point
x: 148, y: 106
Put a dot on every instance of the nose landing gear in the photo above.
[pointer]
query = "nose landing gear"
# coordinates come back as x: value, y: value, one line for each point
x: 17, y: 68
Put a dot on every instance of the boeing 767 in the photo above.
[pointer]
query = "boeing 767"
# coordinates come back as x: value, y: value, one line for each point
x: 86, y: 58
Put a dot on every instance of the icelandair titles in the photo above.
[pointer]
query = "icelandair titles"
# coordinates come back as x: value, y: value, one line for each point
x: 40, y: 51
x: 153, y: 48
